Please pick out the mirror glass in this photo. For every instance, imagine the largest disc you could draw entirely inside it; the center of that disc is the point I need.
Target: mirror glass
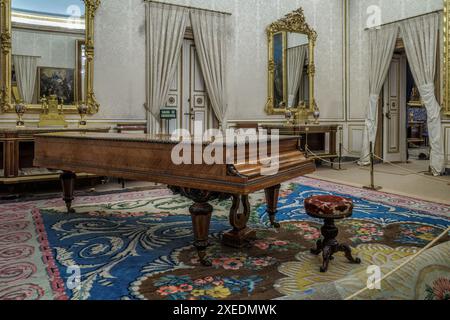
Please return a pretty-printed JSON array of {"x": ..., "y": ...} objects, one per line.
[
  {"x": 290, "y": 56},
  {"x": 297, "y": 69},
  {"x": 48, "y": 51},
  {"x": 279, "y": 63}
]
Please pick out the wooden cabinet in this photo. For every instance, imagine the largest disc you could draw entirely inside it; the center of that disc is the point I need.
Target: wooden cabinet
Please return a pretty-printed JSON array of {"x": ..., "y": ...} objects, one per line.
[{"x": 17, "y": 153}]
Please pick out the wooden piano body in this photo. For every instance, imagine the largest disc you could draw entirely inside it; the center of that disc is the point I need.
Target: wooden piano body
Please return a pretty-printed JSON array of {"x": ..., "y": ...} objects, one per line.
[{"x": 150, "y": 158}]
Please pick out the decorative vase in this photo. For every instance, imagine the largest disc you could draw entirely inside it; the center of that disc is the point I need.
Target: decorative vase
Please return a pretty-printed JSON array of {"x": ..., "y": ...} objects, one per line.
[
  {"x": 82, "y": 110},
  {"x": 316, "y": 115},
  {"x": 20, "y": 109}
]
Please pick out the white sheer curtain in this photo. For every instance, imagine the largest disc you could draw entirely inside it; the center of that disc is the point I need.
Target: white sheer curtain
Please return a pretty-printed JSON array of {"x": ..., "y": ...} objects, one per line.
[
  {"x": 420, "y": 36},
  {"x": 381, "y": 49},
  {"x": 296, "y": 62},
  {"x": 210, "y": 36},
  {"x": 166, "y": 26},
  {"x": 26, "y": 70}
]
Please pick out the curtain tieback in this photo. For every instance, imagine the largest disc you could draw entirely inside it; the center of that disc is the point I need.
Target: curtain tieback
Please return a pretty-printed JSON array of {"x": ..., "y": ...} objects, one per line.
[
  {"x": 429, "y": 98},
  {"x": 372, "y": 111},
  {"x": 373, "y": 98},
  {"x": 427, "y": 91}
]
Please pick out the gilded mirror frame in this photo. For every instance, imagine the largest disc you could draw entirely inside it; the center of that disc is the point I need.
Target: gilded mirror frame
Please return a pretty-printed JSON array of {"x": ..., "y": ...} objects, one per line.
[
  {"x": 446, "y": 67},
  {"x": 292, "y": 22},
  {"x": 6, "y": 104}
]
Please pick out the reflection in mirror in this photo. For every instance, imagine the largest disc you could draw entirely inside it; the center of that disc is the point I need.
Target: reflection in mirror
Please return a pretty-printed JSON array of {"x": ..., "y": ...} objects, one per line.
[
  {"x": 278, "y": 58},
  {"x": 297, "y": 64},
  {"x": 48, "y": 54},
  {"x": 81, "y": 69}
]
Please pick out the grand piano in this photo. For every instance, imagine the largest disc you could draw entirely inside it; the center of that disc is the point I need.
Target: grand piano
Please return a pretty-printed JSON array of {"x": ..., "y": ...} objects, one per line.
[{"x": 150, "y": 158}]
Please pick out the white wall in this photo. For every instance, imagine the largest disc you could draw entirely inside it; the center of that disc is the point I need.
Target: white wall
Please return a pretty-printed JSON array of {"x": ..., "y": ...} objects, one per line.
[
  {"x": 119, "y": 74},
  {"x": 120, "y": 55}
]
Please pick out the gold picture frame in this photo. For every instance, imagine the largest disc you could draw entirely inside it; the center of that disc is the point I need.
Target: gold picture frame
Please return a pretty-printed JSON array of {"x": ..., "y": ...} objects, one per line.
[
  {"x": 6, "y": 104},
  {"x": 292, "y": 22}
]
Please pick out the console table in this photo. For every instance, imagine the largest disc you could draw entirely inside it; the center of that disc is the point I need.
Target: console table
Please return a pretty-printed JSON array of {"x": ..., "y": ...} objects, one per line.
[
  {"x": 17, "y": 153},
  {"x": 131, "y": 127},
  {"x": 320, "y": 139},
  {"x": 416, "y": 135}
]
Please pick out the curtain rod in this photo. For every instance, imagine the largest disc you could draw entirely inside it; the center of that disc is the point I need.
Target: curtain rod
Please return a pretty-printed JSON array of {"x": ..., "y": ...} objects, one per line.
[
  {"x": 188, "y": 7},
  {"x": 418, "y": 16}
]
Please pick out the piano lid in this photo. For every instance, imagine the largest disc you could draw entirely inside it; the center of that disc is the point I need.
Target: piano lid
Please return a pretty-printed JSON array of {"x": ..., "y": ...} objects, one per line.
[{"x": 238, "y": 139}]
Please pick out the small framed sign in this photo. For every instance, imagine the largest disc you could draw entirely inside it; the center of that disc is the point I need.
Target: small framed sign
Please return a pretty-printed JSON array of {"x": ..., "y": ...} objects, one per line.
[{"x": 168, "y": 114}]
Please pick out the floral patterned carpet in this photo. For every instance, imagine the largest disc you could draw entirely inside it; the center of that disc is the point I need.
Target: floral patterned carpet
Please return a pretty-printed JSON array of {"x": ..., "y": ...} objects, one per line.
[{"x": 137, "y": 245}]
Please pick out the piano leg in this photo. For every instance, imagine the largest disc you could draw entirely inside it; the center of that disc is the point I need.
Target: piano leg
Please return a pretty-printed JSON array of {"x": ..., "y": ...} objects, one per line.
[
  {"x": 201, "y": 212},
  {"x": 272, "y": 195},
  {"x": 68, "y": 186},
  {"x": 241, "y": 235},
  {"x": 201, "y": 218}
]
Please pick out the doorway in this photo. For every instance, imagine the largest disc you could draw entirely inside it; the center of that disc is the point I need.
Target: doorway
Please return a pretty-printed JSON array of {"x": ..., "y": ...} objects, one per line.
[
  {"x": 188, "y": 95},
  {"x": 403, "y": 132}
]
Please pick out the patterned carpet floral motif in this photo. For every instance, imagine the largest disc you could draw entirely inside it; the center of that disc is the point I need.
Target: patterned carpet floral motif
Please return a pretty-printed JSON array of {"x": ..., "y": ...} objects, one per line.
[
  {"x": 417, "y": 234},
  {"x": 208, "y": 288},
  {"x": 439, "y": 290},
  {"x": 236, "y": 262},
  {"x": 304, "y": 229},
  {"x": 365, "y": 232},
  {"x": 137, "y": 245}
]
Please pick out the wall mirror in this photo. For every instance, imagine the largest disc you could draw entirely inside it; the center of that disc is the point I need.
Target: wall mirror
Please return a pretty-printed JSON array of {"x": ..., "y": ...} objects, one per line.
[
  {"x": 47, "y": 51},
  {"x": 291, "y": 43}
]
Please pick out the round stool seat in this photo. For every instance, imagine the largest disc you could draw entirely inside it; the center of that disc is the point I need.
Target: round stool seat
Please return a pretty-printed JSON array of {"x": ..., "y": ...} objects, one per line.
[{"x": 329, "y": 207}]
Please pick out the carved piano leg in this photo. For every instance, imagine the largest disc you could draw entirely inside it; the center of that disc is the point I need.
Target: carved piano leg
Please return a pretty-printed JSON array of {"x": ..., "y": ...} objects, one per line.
[
  {"x": 272, "y": 195},
  {"x": 241, "y": 235},
  {"x": 68, "y": 185},
  {"x": 201, "y": 212},
  {"x": 201, "y": 219}
]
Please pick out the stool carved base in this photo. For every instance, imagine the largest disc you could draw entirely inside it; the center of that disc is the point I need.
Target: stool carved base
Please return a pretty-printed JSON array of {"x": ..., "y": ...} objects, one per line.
[{"x": 329, "y": 246}]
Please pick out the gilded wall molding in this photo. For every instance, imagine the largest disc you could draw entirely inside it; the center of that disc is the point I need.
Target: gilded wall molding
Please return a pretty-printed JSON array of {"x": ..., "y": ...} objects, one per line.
[
  {"x": 91, "y": 9},
  {"x": 6, "y": 105},
  {"x": 5, "y": 58},
  {"x": 446, "y": 67}
]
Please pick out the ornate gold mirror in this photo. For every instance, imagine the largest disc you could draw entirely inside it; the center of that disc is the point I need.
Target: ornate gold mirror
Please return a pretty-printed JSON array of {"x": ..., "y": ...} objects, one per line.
[
  {"x": 291, "y": 43},
  {"x": 47, "y": 55}
]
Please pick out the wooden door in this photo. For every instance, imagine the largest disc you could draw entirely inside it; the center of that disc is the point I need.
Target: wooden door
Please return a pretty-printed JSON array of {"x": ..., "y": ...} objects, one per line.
[
  {"x": 196, "y": 112},
  {"x": 394, "y": 131}
]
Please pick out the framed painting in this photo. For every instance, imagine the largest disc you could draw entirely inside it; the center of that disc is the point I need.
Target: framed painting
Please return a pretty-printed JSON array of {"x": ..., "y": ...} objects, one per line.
[{"x": 57, "y": 81}]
